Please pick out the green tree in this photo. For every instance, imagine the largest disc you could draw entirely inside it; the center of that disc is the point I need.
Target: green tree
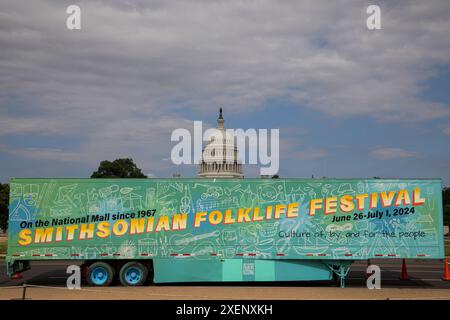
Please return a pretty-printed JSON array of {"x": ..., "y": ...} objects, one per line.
[
  {"x": 4, "y": 203},
  {"x": 119, "y": 168}
]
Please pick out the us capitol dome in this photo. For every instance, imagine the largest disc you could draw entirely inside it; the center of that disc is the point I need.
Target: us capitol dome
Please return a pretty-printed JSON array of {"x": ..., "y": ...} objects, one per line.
[{"x": 220, "y": 155}]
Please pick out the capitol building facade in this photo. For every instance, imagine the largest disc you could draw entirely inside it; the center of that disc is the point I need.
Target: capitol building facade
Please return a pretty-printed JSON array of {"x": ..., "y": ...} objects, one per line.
[{"x": 220, "y": 155}]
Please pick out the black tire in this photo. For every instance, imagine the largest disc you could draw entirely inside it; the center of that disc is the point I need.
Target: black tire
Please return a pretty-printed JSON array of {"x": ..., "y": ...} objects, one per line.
[
  {"x": 108, "y": 273},
  {"x": 127, "y": 270}
]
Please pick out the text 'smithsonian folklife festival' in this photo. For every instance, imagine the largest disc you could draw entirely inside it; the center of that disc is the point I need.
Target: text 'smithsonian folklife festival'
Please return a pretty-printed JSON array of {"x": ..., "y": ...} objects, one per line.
[{"x": 263, "y": 216}]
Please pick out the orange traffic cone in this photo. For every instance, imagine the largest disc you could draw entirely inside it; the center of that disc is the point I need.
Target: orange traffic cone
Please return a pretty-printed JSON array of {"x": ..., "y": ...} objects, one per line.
[
  {"x": 404, "y": 275},
  {"x": 16, "y": 276},
  {"x": 446, "y": 271}
]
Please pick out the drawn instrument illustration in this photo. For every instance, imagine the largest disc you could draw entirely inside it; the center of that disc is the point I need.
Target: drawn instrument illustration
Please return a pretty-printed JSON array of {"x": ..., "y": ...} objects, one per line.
[{"x": 217, "y": 225}]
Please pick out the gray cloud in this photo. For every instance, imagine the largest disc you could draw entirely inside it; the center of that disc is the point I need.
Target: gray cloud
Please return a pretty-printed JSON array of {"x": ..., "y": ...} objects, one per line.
[
  {"x": 138, "y": 70},
  {"x": 386, "y": 153},
  {"x": 447, "y": 131},
  {"x": 309, "y": 154}
]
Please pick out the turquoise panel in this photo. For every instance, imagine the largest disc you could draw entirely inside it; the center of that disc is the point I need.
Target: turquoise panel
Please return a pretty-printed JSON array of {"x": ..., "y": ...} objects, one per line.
[
  {"x": 187, "y": 270},
  {"x": 232, "y": 270},
  {"x": 264, "y": 270},
  {"x": 292, "y": 270}
]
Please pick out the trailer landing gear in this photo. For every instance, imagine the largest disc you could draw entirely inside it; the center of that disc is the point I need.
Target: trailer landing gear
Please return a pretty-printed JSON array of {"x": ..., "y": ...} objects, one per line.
[{"x": 340, "y": 269}]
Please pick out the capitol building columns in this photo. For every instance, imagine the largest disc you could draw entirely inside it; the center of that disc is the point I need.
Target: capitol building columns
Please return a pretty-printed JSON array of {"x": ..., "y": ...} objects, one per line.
[{"x": 220, "y": 155}]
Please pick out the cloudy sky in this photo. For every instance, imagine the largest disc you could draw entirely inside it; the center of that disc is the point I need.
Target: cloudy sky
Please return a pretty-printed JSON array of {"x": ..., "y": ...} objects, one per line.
[{"x": 349, "y": 102}]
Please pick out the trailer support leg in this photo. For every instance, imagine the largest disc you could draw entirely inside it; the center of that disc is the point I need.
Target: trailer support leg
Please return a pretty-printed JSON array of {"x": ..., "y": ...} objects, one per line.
[{"x": 341, "y": 269}]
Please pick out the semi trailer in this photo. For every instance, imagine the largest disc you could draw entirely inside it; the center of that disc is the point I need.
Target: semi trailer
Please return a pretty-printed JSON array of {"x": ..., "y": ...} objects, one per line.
[{"x": 196, "y": 230}]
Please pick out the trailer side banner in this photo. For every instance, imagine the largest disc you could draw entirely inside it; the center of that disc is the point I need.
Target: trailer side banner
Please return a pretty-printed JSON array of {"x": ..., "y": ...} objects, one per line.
[{"x": 205, "y": 219}]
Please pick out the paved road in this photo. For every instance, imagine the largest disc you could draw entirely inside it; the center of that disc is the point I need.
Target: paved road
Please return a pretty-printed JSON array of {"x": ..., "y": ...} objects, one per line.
[{"x": 50, "y": 277}]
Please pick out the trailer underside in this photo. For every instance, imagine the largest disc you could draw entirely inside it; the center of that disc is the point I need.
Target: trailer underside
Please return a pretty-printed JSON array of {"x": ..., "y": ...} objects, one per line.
[{"x": 220, "y": 270}]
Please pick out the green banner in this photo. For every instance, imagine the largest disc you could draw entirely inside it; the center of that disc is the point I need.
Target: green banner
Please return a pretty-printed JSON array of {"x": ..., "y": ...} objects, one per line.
[{"x": 203, "y": 219}]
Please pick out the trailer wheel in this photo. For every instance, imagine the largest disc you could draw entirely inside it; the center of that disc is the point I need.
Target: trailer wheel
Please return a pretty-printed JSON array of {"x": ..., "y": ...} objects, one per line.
[
  {"x": 100, "y": 274},
  {"x": 133, "y": 274}
]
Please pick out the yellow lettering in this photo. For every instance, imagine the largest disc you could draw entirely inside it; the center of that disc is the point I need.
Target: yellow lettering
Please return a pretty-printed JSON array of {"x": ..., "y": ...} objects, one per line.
[
  {"x": 179, "y": 221},
  {"x": 103, "y": 229},
  {"x": 347, "y": 204},
  {"x": 314, "y": 205},
  {"x": 120, "y": 227},
  {"x": 43, "y": 235},
  {"x": 86, "y": 231},
  {"x": 417, "y": 200},
  {"x": 199, "y": 218},
  {"x": 137, "y": 226},
  {"x": 402, "y": 198},
  {"x": 163, "y": 224},
  {"x": 25, "y": 237},
  {"x": 330, "y": 205},
  {"x": 243, "y": 215}
]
